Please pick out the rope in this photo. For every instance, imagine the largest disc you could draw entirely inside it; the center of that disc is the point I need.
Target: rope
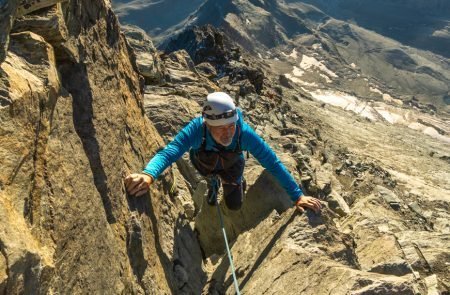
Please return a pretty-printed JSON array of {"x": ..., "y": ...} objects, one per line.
[
  {"x": 236, "y": 286},
  {"x": 173, "y": 187}
]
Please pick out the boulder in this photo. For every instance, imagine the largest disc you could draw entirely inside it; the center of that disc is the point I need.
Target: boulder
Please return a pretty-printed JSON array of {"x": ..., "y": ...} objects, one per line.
[
  {"x": 432, "y": 285},
  {"x": 426, "y": 252},
  {"x": 376, "y": 247},
  {"x": 337, "y": 203},
  {"x": 389, "y": 196},
  {"x": 170, "y": 113},
  {"x": 147, "y": 57},
  {"x": 48, "y": 23},
  {"x": 285, "y": 82},
  {"x": 323, "y": 181},
  {"x": 206, "y": 69},
  {"x": 29, "y": 6}
]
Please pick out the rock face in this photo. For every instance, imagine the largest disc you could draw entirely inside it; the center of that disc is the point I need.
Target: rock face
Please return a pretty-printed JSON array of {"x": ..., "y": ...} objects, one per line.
[
  {"x": 73, "y": 124},
  {"x": 284, "y": 246}
]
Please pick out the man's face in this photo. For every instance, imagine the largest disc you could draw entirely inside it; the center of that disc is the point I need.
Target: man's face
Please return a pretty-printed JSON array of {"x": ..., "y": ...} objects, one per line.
[{"x": 223, "y": 134}]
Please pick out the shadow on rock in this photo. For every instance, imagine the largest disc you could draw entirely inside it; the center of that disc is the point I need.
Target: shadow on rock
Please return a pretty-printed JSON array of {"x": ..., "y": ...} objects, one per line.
[{"x": 83, "y": 120}]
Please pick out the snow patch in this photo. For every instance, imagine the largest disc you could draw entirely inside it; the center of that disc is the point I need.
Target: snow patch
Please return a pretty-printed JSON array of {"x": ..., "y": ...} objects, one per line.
[
  {"x": 347, "y": 102},
  {"x": 298, "y": 81},
  {"x": 309, "y": 62},
  {"x": 380, "y": 111},
  {"x": 388, "y": 97},
  {"x": 293, "y": 54},
  {"x": 429, "y": 131},
  {"x": 390, "y": 117},
  {"x": 297, "y": 72}
]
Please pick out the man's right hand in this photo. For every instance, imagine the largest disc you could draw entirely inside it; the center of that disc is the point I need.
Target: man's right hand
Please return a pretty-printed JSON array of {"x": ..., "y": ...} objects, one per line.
[{"x": 138, "y": 183}]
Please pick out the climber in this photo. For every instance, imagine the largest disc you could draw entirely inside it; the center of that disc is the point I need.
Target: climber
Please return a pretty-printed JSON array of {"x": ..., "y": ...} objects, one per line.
[{"x": 216, "y": 141}]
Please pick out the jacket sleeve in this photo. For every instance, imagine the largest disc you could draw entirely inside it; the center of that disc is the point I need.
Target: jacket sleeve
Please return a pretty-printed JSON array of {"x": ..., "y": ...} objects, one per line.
[
  {"x": 185, "y": 139},
  {"x": 267, "y": 158}
]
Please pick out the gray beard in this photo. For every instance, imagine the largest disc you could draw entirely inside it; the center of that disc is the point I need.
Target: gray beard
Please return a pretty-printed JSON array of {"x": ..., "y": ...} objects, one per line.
[{"x": 227, "y": 143}]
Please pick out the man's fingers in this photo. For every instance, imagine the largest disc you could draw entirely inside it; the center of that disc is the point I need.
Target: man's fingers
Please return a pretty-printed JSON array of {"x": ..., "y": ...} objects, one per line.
[
  {"x": 300, "y": 209},
  {"x": 129, "y": 179},
  {"x": 311, "y": 203},
  {"x": 317, "y": 204},
  {"x": 141, "y": 192},
  {"x": 137, "y": 187},
  {"x": 313, "y": 206},
  {"x": 134, "y": 185}
]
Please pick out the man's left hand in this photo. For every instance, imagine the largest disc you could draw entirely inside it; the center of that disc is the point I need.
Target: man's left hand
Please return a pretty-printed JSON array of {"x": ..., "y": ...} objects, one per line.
[{"x": 308, "y": 202}]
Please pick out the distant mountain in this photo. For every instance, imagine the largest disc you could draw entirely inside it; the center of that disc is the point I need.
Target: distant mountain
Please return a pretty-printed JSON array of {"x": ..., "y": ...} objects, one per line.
[
  {"x": 355, "y": 42},
  {"x": 422, "y": 24},
  {"x": 418, "y": 23},
  {"x": 155, "y": 16},
  {"x": 162, "y": 19}
]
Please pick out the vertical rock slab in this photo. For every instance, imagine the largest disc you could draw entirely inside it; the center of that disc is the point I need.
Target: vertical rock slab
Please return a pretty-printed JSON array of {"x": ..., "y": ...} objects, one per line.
[
  {"x": 30, "y": 83},
  {"x": 101, "y": 124},
  {"x": 72, "y": 126}
]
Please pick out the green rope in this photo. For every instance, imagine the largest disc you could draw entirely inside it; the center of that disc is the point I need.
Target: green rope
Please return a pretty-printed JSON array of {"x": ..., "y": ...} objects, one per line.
[
  {"x": 173, "y": 187},
  {"x": 236, "y": 286}
]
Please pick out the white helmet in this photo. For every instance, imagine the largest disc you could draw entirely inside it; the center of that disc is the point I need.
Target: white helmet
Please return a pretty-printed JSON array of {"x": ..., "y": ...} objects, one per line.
[{"x": 219, "y": 109}]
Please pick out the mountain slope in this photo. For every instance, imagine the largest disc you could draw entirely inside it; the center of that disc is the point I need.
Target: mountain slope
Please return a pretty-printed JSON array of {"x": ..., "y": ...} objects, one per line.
[
  {"x": 385, "y": 185},
  {"x": 269, "y": 28},
  {"x": 421, "y": 24},
  {"x": 154, "y": 16}
]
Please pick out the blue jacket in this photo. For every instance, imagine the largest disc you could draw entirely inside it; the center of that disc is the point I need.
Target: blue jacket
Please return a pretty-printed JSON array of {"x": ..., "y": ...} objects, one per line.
[{"x": 191, "y": 137}]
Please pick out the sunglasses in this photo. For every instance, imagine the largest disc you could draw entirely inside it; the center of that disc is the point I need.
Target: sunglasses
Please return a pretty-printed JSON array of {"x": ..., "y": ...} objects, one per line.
[{"x": 225, "y": 115}]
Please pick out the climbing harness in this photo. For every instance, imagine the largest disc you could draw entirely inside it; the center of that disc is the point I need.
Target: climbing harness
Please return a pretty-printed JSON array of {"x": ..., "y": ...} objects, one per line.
[
  {"x": 214, "y": 190},
  {"x": 229, "y": 164},
  {"x": 236, "y": 285}
]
